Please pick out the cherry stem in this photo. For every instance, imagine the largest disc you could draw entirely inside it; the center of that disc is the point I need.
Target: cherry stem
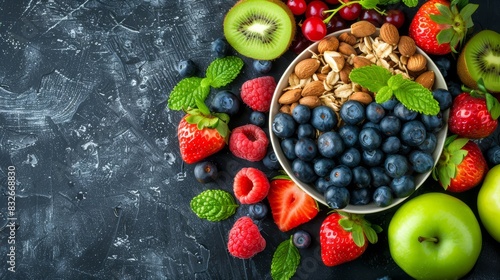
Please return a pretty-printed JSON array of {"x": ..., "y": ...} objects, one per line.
[
  {"x": 429, "y": 239},
  {"x": 345, "y": 4}
]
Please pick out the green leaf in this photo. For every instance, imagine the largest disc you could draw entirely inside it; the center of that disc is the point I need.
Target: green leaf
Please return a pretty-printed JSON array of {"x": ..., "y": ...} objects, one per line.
[
  {"x": 440, "y": 19},
  {"x": 358, "y": 236},
  {"x": 285, "y": 261},
  {"x": 467, "y": 11},
  {"x": 443, "y": 10},
  {"x": 411, "y": 3},
  {"x": 222, "y": 116},
  {"x": 415, "y": 96},
  {"x": 456, "y": 145},
  {"x": 224, "y": 70},
  {"x": 384, "y": 94},
  {"x": 443, "y": 177},
  {"x": 214, "y": 205},
  {"x": 445, "y": 36},
  {"x": 186, "y": 92},
  {"x": 346, "y": 224},
  {"x": 493, "y": 106},
  {"x": 372, "y": 77},
  {"x": 458, "y": 156},
  {"x": 369, "y": 4},
  {"x": 370, "y": 234}
]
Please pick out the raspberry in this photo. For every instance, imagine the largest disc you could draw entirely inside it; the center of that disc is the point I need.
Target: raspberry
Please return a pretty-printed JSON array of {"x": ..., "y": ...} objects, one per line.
[
  {"x": 245, "y": 239},
  {"x": 257, "y": 93},
  {"x": 250, "y": 185},
  {"x": 248, "y": 142}
]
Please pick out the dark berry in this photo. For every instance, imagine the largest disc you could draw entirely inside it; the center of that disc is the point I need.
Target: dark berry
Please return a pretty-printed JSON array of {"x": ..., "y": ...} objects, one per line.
[
  {"x": 382, "y": 196},
  {"x": 373, "y": 157},
  {"x": 361, "y": 177},
  {"x": 370, "y": 138},
  {"x": 323, "y": 118},
  {"x": 413, "y": 133},
  {"x": 301, "y": 239},
  {"x": 306, "y": 149},
  {"x": 360, "y": 196},
  {"x": 351, "y": 157},
  {"x": 337, "y": 197},
  {"x": 288, "y": 148},
  {"x": 205, "y": 172},
  {"x": 341, "y": 176},
  {"x": 258, "y": 211},
  {"x": 396, "y": 165},
  {"x": 225, "y": 102},
  {"x": 352, "y": 112},
  {"x": 404, "y": 113},
  {"x": 429, "y": 144},
  {"x": 379, "y": 177},
  {"x": 271, "y": 161},
  {"x": 283, "y": 125},
  {"x": 421, "y": 161},
  {"x": 322, "y": 183},
  {"x": 301, "y": 113},
  {"x": 306, "y": 130},
  {"x": 403, "y": 186},
  {"x": 433, "y": 123},
  {"x": 454, "y": 88},
  {"x": 323, "y": 166},
  {"x": 258, "y": 118},
  {"x": 390, "y": 125},
  {"x": 443, "y": 97},
  {"x": 262, "y": 66},
  {"x": 349, "y": 134},
  {"x": 220, "y": 47},
  {"x": 186, "y": 68},
  {"x": 493, "y": 155},
  {"x": 443, "y": 64},
  {"x": 375, "y": 112},
  {"x": 303, "y": 170},
  {"x": 391, "y": 145},
  {"x": 330, "y": 144}
]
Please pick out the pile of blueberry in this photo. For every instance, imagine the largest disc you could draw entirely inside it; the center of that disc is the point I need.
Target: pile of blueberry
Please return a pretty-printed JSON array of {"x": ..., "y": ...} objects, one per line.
[{"x": 363, "y": 154}]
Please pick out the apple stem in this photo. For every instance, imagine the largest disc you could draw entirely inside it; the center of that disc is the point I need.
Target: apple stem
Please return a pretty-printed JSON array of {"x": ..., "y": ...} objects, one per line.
[{"x": 431, "y": 239}]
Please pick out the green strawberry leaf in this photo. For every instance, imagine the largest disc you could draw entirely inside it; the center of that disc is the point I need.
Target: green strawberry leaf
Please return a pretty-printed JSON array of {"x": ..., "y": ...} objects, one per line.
[
  {"x": 493, "y": 106},
  {"x": 186, "y": 92},
  {"x": 285, "y": 261},
  {"x": 458, "y": 156},
  {"x": 456, "y": 145},
  {"x": 214, "y": 205},
  {"x": 224, "y": 70},
  {"x": 467, "y": 11}
]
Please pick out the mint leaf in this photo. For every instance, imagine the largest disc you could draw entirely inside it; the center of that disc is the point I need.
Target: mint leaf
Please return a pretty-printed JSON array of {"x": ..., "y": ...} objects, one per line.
[
  {"x": 369, "y": 4},
  {"x": 384, "y": 94},
  {"x": 372, "y": 77},
  {"x": 411, "y": 3},
  {"x": 214, "y": 205},
  {"x": 414, "y": 96},
  {"x": 186, "y": 92},
  {"x": 285, "y": 261},
  {"x": 224, "y": 70}
]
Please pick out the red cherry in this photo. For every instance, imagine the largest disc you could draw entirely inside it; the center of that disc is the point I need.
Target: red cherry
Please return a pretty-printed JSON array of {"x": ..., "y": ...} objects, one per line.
[
  {"x": 299, "y": 43},
  {"x": 297, "y": 7},
  {"x": 336, "y": 23},
  {"x": 396, "y": 17},
  {"x": 332, "y": 2},
  {"x": 316, "y": 8},
  {"x": 372, "y": 16},
  {"x": 314, "y": 29},
  {"x": 351, "y": 12}
]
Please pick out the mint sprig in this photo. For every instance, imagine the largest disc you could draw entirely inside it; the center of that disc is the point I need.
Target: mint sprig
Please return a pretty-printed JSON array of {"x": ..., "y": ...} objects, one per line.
[
  {"x": 219, "y": 73},
  {"x": 285, "y": 260},
  {"x": 379, "y": 80},
  {"x": 214, "y": 205}
]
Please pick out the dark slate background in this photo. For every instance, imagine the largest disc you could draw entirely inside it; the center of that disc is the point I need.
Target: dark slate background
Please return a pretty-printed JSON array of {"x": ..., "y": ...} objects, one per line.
[{"x": 101, "y": 191}]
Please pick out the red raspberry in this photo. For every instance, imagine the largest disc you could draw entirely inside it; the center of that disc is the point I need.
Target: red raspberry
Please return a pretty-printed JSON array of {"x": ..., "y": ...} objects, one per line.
[
  {"x": 257, "y": 93},
  {"x": 245, "y": 239},
  {"x": 248, "y": 142},
  {"x": 250, "y": 185}
]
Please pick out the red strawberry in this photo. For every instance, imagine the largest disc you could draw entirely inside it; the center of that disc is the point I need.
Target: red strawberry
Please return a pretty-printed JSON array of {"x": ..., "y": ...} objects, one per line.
[
  {"x": 290, "y": 205},
  {"x": 474, "y": 115},
  {"x": 438, "y": 27},
  {"x": 257, "y": 93},
  {"x": 343, "y": 237},
  {"x": 201, "y": 134},
  {"x": 462, "y": 165},
  {"x": 245, "y": 240}
]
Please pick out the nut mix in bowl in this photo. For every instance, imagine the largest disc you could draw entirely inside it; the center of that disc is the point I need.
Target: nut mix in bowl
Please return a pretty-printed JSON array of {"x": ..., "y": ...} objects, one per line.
[{"x": 338, "y": 140}]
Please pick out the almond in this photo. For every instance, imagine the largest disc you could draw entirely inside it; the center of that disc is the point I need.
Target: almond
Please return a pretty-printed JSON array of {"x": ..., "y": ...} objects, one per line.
[
  {"x": 407, "y": 46},
  {"x": 344, "y": 74},
  {"x": 310, "y": 101},
  {"x": 286, "y": 109},
  {"x": 348, "y": 38},
  {"x": 306, "y": 68},
  {"x": 416, "y": 62},
  {"x": 362, "y": 97},
  {"x": 389, "y": 33},
  {"x": 426, "y": 79},
  {"x": 335, "y": 60},
  {"x": 290, "y": 96},
  {"x": 294, "y": 104},
  {"x": 362, "y": 28},
  {"x": 346, "y": 49},
  {"x": 359, "y": 61},
  {"x": 315, "y": 88},
  {"x": 330, "y": 43}
]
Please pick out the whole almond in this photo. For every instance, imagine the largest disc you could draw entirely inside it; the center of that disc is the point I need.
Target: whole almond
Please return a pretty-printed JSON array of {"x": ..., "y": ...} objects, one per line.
[
  {"x": 406, "y": 46},
  {"x": 335, "y": 60},
  {"x": 330, "y": 43},
  {"x": 426, "y": 79},
  {"x": 363, "y": 28},
  {"x": 290, "y": 96},
  {"x": 416, "y": 62},
  {"x": 286, "y": 109},
  {"x": 348, "y": 38},
  {"x": 389, "y": 33},
  {"x": 315, "y": 88},
  {"x": 346, "y": 49},
  {"x": 362, "y": 97},
  {"x": 310, "y": 101},
  {"x": 359, "y": 61},
  {"x": 306, "y": 68},
  {"x": 344, "y": 74}
]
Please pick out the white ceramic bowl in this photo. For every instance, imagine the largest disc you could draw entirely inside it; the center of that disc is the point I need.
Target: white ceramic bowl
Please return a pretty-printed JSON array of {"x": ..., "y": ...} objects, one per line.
[{"x": 310, "y": 189}]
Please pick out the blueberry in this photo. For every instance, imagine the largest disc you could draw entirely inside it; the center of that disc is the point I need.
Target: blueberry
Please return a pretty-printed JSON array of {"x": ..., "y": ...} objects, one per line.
[
  {"x": 361, "y": 177},
  {"x": 421, "y": 161},
  {"x": 303, "y": 170},
  {"x": 379, "y": 177},
  {"x": 370, "y": 138},
  {"x": 374, "y": 112},
  {"x": 390, "y": 125},
  {"x": 391, "y": 145},
  {"x": 330, "y": 144},
  {"x": 429, "y": 144},
  {"x": 262, "y": 66},
  {"x": 186, "y": 68},
  {"x": 288, "y": 148},
  {"x": 443, "y": 97},
  {"x": 352, "y": 112},
  {"x": 382, "y": 196},
  {"x": 258, "y": 118},
  {"x": 337, "y": 198},
  {"x": 322, "y": 183},
  {"x": 369, "y": 124},
  {"x": 258, "y": 211},
  {"x": 306, "y": 149},
  {"x": 283, "y": 125},
  {"x": 403, "y": 186},
  {"x": 373, "y": 157},
  {"x": 351, "y": 157},
  {"x": 404, "y": 113},
  {"x": 220, "y": 47},
  {"x": 301, "y": 114},
  {"x": 323, "y": 166},
  {"x": 413, "y": 133},
  {"x": 433, "y": 123},
  {"x": 301, "y": 239},
  {"x": 443, "y": 64},
  {"x": 225, "y": 102},
  {"x": 323, "y": 118},
  {"x": 205, "y": 172},
  {"x": 360, "y": 196},
  {"x": 493, "y": 155},
  {"x": 396, "y": 165},
  {"x": 389, "y": 104},
  {"x": 454, "y": 88},
  {"x": 341, "y": 176},
  {"x": 306, "y": 130},
  {"x": 405, "y": 149},
  {"x": 349, "y": 134},
  {"x": 271, "y": 161}
]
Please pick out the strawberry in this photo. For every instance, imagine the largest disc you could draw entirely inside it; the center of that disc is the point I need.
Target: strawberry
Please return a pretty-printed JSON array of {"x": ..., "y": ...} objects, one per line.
[
  {"x": 474, "y": 114},
  {"x": 461, "y": 166},
  {"x": 290, "y": 205},
  {"x": 439, "y": 27},
  {"x": 201, "y": 133},
  {"x": 343, "y": 237}
]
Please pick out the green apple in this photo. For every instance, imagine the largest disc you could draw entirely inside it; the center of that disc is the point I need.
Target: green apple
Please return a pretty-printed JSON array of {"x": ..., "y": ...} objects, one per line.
[
  {"x": 488, "y": 202},
  {"x": 435, "y": 236}
]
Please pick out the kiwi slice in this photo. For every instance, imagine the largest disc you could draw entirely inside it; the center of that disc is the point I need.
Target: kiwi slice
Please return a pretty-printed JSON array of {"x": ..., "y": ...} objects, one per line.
[
  {"x": 260, "y": 29},
  {"x": 480, "y": 58}
]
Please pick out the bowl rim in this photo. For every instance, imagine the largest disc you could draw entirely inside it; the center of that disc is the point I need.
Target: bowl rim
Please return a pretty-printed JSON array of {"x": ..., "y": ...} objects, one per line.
[{"x": 370, "y": 208}]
